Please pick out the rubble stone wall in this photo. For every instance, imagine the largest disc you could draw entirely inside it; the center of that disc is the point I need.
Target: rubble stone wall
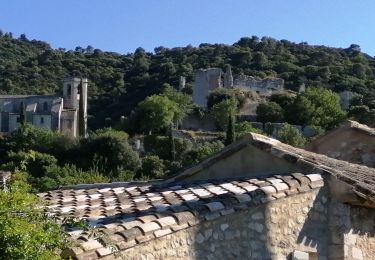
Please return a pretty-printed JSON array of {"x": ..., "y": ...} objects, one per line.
[{"x": 270, "y": 231}]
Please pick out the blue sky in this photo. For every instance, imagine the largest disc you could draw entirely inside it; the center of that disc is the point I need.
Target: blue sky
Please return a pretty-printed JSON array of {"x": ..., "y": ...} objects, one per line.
[{"x": 124, "y": 25}]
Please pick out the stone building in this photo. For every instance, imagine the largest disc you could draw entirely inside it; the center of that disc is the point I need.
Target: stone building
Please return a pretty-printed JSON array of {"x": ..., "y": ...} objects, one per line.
[
  {"x": 53, "y": 112},
  {"x": 206, "y": 80},
  {"x": 256, "y": 199},
  {"x": 352, "y": 142}
]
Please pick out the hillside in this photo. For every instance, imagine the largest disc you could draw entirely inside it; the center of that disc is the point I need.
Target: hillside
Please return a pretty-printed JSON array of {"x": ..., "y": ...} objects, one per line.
[{"x": 119, "y": 82}]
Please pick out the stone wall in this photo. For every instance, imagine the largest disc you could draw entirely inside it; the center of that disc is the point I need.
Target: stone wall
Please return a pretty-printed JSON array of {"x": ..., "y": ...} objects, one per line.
[
  {"x": 263, "y": 87},
  {"x": 204, "y": 82},
  {"x": 346, "y": 144},
  {"x": 270, "y": 231}
]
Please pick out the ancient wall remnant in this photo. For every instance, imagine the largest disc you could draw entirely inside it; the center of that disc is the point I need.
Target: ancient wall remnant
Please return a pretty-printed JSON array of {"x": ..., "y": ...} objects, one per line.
[
  {"x": 263, "y": 87},
  {"x": 204, "y": 82}
]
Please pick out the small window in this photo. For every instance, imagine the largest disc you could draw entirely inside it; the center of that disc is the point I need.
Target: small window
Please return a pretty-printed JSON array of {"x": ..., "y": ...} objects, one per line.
[
  {"x": 18, "y": 119},
  {"x": 42, "y": 120},
  {"x": 45, "y": 106}
]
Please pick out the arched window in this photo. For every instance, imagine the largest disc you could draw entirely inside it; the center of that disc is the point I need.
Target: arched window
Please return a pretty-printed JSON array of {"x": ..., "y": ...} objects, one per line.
[
  {"x": 45, "y": 106},
  {"x": 69, "y": 91}
]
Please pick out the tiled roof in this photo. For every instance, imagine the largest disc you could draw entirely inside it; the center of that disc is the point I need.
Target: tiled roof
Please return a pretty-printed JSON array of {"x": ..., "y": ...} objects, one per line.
[
  {"x": 129, "y": 214},
  {"x": 361, "y": 178}
]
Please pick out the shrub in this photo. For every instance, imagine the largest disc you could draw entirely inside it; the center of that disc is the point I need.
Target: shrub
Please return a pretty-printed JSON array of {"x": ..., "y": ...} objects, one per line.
[
  {"x": 201, "y": 152},
  {"x": 152, "y": 166},
  {"x": 26, "y": 231},
  {"x": 108, "y": 153},
  {"x": 290, "y": 135},
  {"x": 244, "y": 128},
  {"x": 57, "y": 176},
  {"x": 160, "y": 146}
]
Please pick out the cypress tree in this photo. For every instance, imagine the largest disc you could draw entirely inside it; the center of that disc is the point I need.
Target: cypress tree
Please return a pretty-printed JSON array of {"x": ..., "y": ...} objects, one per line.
[
  {"x": 230, "y": 134},
  {"x": 22, "y": 114},
  {"x": 171, "y": 143}
]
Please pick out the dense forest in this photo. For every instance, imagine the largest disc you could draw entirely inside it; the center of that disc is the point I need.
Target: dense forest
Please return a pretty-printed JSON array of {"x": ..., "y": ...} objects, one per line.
[{"x": 120, "y": 81}]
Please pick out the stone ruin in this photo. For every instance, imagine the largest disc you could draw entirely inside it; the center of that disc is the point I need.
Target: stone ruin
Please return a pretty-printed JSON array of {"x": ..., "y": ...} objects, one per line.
[
  {"x": 264, "y": 87},
  {"x": 206, "y": 80}
]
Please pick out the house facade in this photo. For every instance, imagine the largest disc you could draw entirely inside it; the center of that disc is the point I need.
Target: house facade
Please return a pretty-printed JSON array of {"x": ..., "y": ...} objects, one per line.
[{"x": 53, "y": 112}]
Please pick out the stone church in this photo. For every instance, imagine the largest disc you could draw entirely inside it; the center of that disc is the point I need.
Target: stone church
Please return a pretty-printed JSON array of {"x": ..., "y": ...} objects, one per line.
[{"x": 47, "y": 111}]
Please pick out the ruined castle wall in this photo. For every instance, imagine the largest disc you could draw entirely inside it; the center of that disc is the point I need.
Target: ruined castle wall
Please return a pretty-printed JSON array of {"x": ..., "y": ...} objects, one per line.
[
  {"x": 270, "y": 231},
  {"x": 204, "y": 82},
  {"x": 261, "y": 86}
]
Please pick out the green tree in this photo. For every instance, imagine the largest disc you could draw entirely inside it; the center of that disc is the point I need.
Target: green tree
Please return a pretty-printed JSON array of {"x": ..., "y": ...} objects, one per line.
[
  {"x": 244, "y": 128},
  {"x": 201, "y": 152},
  {"x": 22, "y": 114},
  {"x": 270, "y": 112},
  {"x": 222, "y": 110},
  {"x": 108, "y": 153},
  {"x": 316, "y": 106},
  {"x": 156, "y": 113},
  {"x": 230, "y": 133},
  {"x": 184, "y": 103},
  {"x": 290, "y": 135},
  {"x": 152, "y": 167},
  {"x": 26, "y": 231}
]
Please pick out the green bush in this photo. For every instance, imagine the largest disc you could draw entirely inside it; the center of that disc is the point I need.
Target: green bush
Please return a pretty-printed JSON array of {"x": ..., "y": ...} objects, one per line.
[
  {"x": 290, "y": 135},
  {"x": 57, "y": 176},
  {"x": 152, "y": 167},
  {"x": 160, "y": 146},
  {"x": 108, "y": 153},
  {"x": 201, "y": 152},
  {"x": 26, "y": 231},
  {"x": 244, "y": 128}
]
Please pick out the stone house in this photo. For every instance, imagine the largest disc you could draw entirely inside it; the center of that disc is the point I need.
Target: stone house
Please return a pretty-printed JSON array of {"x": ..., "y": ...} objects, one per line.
[
  {"x": 256, "y": 199},
  {"x": 352, "y": 142},
  {"x": 58, "y": 113}
]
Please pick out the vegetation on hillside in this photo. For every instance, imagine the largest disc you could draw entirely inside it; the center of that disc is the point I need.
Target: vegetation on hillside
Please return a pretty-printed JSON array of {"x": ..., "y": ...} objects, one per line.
[{"x": 120, "y": 81}]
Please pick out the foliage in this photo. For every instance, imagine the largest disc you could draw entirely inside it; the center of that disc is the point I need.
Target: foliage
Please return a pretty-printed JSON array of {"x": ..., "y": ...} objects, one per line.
[
  {"x": 283, "y": 100},
  {"x": 290, "y": 135},
  {"x": 316, "y": 106},
  {"x": 184, "y": 103},
  {"x": 26, "y": 231},
  {"x": 152, "y": 167},
  {"x": 33, "y": 162},
  {"x": 160, "y": 146},
  {"x": 57, "y": 176},
  {"x": 230, "y": 133},
  {"x": 120, "y": 81},
  {"x": 270, "y": 112},
  {"x": 108, "y": 153},
  {"x": 244, "y": 128},
  {"x": 222, "y": 110},
  {"x": 201, "y": 152},
  {"x": 362, "y": 114},
  {"x": 268, "y": 128},
  {"x": 156, "y": 113}
]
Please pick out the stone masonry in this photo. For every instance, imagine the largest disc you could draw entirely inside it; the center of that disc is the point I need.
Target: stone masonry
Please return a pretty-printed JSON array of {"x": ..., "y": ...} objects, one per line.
[{"x": 270, "y": 231}]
